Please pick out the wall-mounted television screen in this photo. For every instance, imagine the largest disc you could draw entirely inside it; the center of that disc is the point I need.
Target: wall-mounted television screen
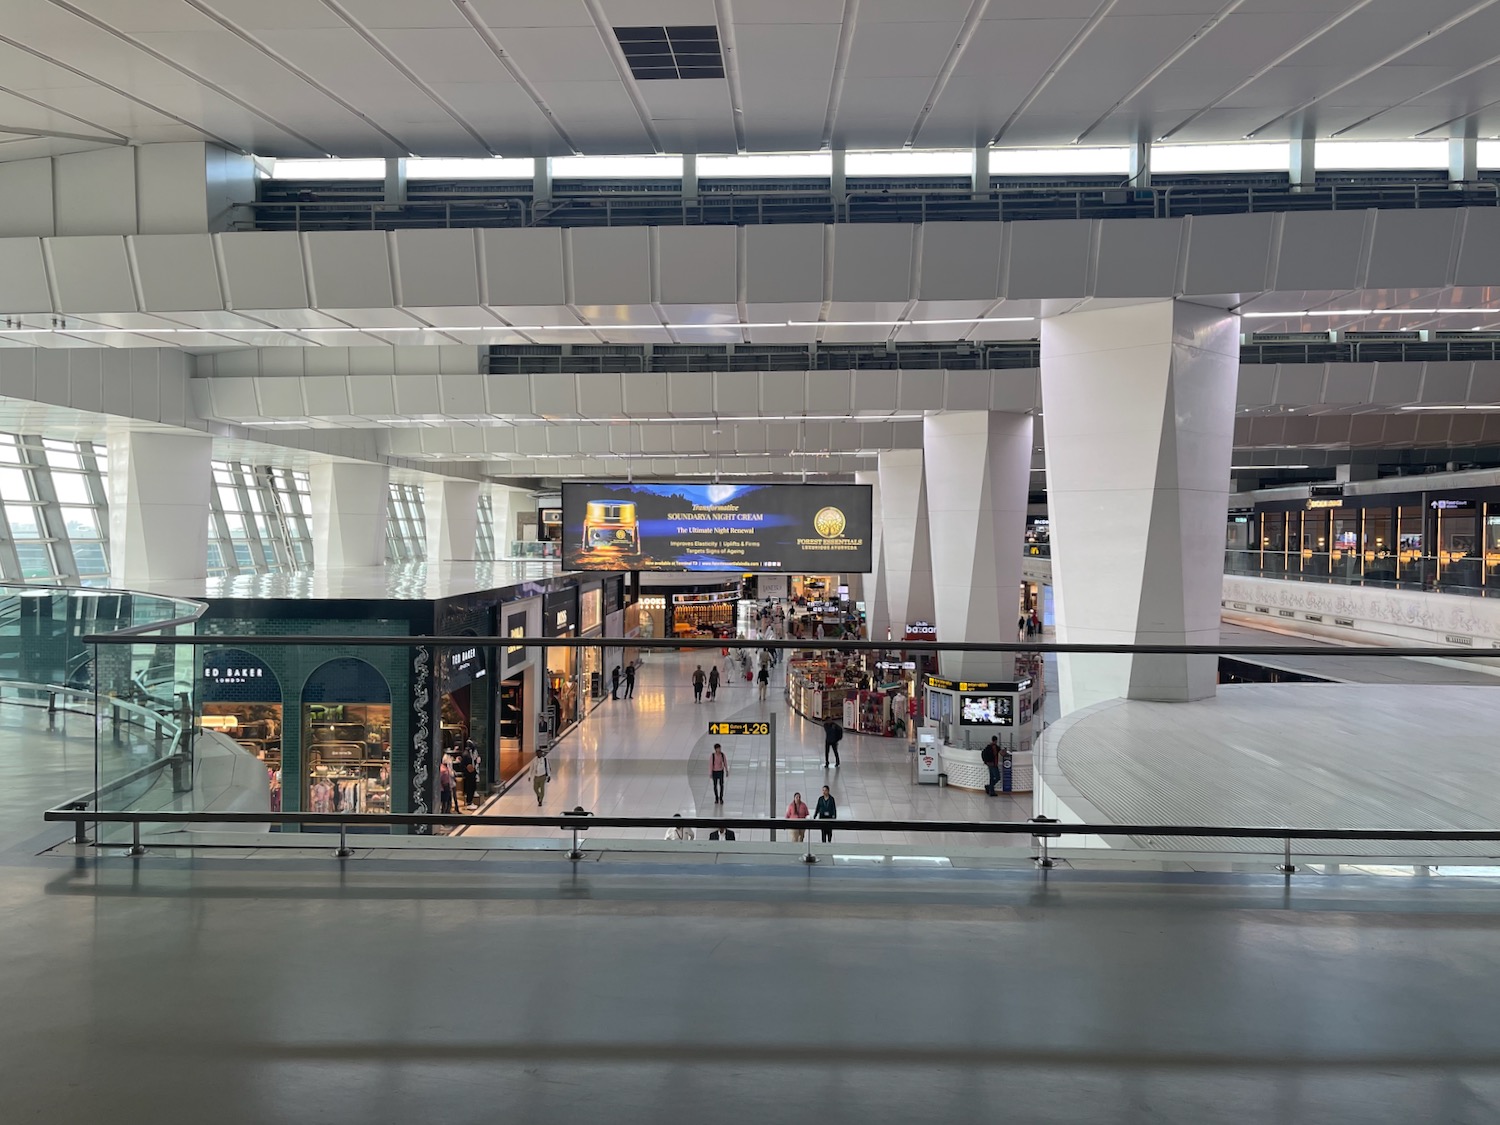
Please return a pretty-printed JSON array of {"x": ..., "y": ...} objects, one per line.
[
  {"x": 985, "y": 710},
  {"x": 790, "y": 528}
]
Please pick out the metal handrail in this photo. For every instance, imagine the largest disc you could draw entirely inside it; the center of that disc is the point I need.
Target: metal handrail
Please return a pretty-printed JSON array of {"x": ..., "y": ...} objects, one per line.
[
  {"x": 752, "y": 207},
  {"x": 672, "y": 644},
  {"x": 1041, "y": 832}
]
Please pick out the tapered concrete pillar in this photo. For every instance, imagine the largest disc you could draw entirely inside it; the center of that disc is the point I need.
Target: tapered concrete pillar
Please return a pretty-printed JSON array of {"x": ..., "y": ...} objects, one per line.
[
  {"x": 873, "y": 586},
  {"x": 451, "y": 511},
  {"x": 1139, "y": 407},
  {"x": 349, "y": 507},
  {"x": 158, "y": 507},
  {"x": 906, "y": 540},
  {"x": 978, "y": 476}
]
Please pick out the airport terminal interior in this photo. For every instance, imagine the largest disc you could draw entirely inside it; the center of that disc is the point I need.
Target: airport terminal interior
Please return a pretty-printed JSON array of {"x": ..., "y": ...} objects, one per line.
[{"x": 749, "y": 560}]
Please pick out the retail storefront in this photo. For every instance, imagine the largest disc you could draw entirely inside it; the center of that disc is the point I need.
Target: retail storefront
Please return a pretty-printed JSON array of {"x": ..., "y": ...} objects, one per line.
[
  {"x": 240, "y": 697},
  {"x": 519, "y": 697},
  {"x": 346, "y": 736},
  {"x": 561, "y": 709}
]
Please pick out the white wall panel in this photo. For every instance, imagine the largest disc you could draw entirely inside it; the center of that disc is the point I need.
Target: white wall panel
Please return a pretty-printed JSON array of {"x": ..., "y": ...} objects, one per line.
[
  {"x": 605, "y": 394},
  {"x": 1227, "y": 253},
  {"x": 1320, "y": 250},
  {"x": 23, "y": 276},
  {"x": 699, "y": 265},
  {"x": 1445, "y": 382},
  {"x": 872, "y": 262},
  {"x": 326, "y": 395},
  {"x": 116, "y": 383},
  {"x": 875, "y": 391},
  {"x": 524, "y": 267},
  {"x": 1411, "y": 249},
  {"x": 373, "y": 396},
  {"x": 508, "y": 394},
  {"x": 86, "y": 378},
  {"x": 280, "y": 398},
  {"x": 784, "y": 264},
  {"x": 26, "y": 198},
  {"x": 967, "y": 390},
  {"x": 829, "y": 392},
  {"x": 611, "y": 266},
  {"x": 1346, "y": 383},
  {"x": 1479, "y": 250},
  {"x": 554, "y": 394},
  {"x": 416, "y": 395},
  {"x": 437, "y": 267},
  {"x": 736, "y": 392},
  {"x": 690, "y": 392},
  {"x": 92, "y": 274},
  {"x": 960, "y": 261},
  {"x": 52, "y": 376},
  {"x": 1396, "y": 382},
  {"x": 645, "y": 393},
  {"x": 95, "y": 192},
  {"x": 177, "y": 273},
  {"x": 1016, "y": 391},
  {"x": 263, "y": 269},
  {"x": 1048, "y": 259},
  {"x": 920, "y": 389},
  {"x": 783, "y": 392},
  {"x": 350, "y": 269},
  {"x": 171, "y": 187},
  {"x": 462, "y": 394},
  {"x": 1137, "y": 257},
  {"x": 415, "y": 360}
]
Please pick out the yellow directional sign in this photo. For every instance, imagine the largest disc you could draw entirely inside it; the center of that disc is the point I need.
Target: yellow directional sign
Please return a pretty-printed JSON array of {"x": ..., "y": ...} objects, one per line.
[{"x": 739, "y": 728}]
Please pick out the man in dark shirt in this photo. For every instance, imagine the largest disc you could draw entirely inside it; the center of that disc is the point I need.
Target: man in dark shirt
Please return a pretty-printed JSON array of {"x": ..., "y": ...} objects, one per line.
[{"x": 990, "y": 756}]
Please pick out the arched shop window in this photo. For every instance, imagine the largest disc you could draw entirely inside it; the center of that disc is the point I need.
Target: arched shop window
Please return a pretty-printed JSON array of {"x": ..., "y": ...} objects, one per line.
[
  {"x": 346, "y": 738},
  {"x": 241, "y": 697}
]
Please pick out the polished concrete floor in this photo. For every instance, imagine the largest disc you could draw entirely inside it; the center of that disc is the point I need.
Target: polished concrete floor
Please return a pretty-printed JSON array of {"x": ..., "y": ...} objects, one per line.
[
  {"x": 648, "y": 756},
  {"x": 182, "y": 991},
  {"x": 637, "y": 989}
]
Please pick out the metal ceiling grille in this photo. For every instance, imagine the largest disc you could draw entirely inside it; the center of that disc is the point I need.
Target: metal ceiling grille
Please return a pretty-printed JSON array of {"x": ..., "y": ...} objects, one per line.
[{"x": 658, "y": 53}]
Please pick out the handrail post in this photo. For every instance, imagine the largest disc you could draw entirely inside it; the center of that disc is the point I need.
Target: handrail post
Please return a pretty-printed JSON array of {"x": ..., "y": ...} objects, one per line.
[
  {"x": 136, "y": 847},
  {"x": 1286, "y": 866},
  {"x": 809, "y": 857},
  {"x": 345, "y": 851}
]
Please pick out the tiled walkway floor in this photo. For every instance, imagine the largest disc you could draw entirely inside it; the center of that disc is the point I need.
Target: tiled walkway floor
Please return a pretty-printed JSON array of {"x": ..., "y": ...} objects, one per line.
[{"x": 648, "y": 756}]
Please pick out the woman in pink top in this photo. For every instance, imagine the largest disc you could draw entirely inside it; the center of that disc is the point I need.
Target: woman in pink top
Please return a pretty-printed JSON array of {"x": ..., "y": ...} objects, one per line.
[
  {"x": 797, "y": 810},
  {"x": 718, "y": 768}
]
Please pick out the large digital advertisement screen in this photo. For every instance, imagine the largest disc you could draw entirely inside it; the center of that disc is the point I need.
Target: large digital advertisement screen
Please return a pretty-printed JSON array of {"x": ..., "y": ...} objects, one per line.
[{"x": 796, "y": 528}]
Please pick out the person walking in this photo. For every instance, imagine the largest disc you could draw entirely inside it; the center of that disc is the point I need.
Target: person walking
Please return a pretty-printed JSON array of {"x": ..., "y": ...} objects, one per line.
[
  {"x": 713, "y": 683},
  {"x": 698, "y": 679},
  {"x": 682, "y": 831},
  {"x": 539, "y": 778},
  {"x": 832, "y": 735},
  {"x": 827, "y": 809},
  {"x": 470, "y": 779},
  {"x": 797, "y": 810},
  {"x": 629, "y": 679},
  {"x": 614, "y": 683},
  {"x": 764, "y": 676},
  {"x": 990, "y": 756},
  {"x": 718, "y": 769},
  {"x": 445, "y": 784}
]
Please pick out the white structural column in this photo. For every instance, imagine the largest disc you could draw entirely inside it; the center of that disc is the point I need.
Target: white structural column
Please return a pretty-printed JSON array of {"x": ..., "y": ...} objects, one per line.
[
  {"x": 905, "y": 539},
  {"x": 158, "y": 507},
  {"x": 451, "y": 510},
  {"x": 1139, "y": 408},
  {"x": 979, "y": 475},
  {"x": 873, "y": 585},
  {"x": 350, "y": 502}
]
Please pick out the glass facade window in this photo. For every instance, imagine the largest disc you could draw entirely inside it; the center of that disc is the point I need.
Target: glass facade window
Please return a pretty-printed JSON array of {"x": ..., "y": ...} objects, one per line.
[
  {"x": 484, "y": 543},
  {"x": 1409, "y": 545},
  {"x": 1379, "y": 546},
  {"x": 1343, "y": 556},
  {"x": 1273, "y": 542},
  {"x": 406, "y": 528},
  {"x": 54, "y": 517},
  {"x": 259, "y": 520},
  {"x": 1458, "y": 550},
  {"x": 1316, "y": 532}
]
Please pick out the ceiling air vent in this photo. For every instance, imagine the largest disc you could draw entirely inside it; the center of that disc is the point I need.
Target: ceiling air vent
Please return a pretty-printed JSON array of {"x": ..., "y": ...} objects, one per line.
[{"x": 656, "y": 53}]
